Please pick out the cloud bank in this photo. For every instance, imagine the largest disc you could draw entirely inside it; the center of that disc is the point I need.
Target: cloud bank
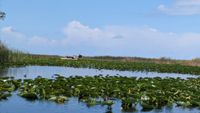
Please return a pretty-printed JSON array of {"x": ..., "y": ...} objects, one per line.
[
  {"x": 181, "y": 7},
  {"x": 107, "y": 40}
]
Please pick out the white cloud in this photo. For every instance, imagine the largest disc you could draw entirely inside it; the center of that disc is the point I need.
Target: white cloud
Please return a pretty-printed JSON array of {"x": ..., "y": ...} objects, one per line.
[
  {"x": 181, "y": 7},
  {"x": 108, "y": 40},
  {"x": 75, "y": 29},
  {"x": 9, "y": 31},
  {"x": 18, "y": 40}
]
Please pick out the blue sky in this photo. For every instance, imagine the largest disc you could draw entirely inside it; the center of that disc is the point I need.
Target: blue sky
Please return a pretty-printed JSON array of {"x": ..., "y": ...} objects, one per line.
[{"x": 144, "y": 28}]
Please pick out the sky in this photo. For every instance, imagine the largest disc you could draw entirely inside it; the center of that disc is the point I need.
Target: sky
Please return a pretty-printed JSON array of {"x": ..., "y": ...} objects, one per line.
[{"x": 142, "y": 28}]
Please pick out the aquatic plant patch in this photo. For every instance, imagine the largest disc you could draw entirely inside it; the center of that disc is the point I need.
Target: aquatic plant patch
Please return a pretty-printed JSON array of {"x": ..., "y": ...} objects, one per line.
[
  {"x": 112, "y": 65},
  {"x": 6, "y": 87},
  {"x": 150, "y": 93}
]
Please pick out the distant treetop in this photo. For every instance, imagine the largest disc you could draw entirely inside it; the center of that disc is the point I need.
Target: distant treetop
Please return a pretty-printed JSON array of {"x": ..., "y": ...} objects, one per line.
[{"x": 2, "y": 15}]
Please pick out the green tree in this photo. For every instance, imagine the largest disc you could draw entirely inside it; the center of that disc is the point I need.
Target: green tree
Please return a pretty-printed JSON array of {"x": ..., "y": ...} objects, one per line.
[{"x": 2, "y": 15}]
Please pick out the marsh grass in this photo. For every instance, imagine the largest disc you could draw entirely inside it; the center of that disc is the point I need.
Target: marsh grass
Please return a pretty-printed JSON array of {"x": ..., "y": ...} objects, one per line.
[
  {"x": 4, "y": 53},
  {"x": 162, "y": 60}
]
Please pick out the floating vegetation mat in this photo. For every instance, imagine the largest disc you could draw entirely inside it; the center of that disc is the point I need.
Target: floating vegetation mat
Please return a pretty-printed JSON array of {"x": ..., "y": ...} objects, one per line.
[
  {"x": 150, "y": 93},
  {"x": 112, "y": 65}
]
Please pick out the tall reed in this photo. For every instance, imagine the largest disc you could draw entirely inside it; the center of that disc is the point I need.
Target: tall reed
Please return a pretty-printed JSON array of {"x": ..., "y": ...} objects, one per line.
[{"x": 4, "y": 53}]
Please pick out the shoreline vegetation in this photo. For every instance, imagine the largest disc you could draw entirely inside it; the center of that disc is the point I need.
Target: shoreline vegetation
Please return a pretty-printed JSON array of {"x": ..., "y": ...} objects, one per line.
[
  {"x": 10, "y": 58},
  {"x": 111, "y": 65}
]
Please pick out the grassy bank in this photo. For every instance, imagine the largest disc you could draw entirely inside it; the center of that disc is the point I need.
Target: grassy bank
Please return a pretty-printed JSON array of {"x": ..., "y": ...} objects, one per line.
[
  {"x": 162, "y": 60},
  {"x": 8, "y": 56}
]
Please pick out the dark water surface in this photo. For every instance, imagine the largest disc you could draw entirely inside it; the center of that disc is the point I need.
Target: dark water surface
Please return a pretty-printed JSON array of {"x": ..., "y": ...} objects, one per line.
[{"x": 16, "y": 104}]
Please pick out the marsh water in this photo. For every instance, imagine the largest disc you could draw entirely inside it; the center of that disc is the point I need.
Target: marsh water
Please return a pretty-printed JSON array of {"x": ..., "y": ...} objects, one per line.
[
  {"x": 50, "y": 71},
  {"x": 16, "y": 104}
]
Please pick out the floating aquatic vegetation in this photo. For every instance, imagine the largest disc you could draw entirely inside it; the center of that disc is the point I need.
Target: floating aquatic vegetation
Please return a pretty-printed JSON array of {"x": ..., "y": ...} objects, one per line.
[
  {"x": 4, "y": 95},
  {"x": 6, "y": 87},
  {"x": 58, "y": 99},
  {"x": 150, "y": 93},
  {"x": 29, "y": 95},
  {"x": 128, "y": 104}
]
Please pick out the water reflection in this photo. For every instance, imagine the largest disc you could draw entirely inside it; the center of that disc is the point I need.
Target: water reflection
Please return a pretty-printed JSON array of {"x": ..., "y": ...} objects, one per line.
[
  {"x": 49, "y": 71},
  {"x": 17, "y": 104},
  {"x": 3, "y": 72}
]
